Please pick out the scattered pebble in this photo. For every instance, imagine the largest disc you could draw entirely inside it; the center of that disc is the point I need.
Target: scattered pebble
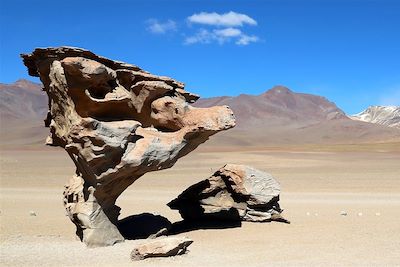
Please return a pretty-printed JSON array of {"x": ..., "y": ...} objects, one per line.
[
  {"x": 360, "y": 214},
  {"x": 308, "y": 214},
  {"x": 343, "y": 213},
  {"x": 32, "y": 213},
  {"x": 378, "y": 214}
]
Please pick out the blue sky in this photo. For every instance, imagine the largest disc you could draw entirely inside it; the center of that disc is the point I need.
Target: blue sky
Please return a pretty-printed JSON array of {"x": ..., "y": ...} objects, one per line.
[{"x": 345, "y": 50}]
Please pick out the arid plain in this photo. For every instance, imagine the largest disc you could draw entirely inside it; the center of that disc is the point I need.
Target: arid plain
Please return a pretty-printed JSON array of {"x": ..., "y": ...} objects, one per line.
[
  {"x": 340, "y": 188},
  {"x": 318, "y": 184}
]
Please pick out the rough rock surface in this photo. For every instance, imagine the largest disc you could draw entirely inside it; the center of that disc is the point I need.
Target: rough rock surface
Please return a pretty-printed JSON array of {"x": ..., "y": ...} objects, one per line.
[
  {"x": 116, "y": 122},
  {"x": 234, "y": 192},
  {"x": 162, "y": 247}
]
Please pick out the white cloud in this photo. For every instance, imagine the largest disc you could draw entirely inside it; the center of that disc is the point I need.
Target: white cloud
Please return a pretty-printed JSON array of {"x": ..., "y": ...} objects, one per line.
[
  {"x": 221, "y": 36},
  {"x": 228, "y": 32},
  {"x": 246, "y": 39},
  {"x": 154, "y": 26},
  {"x": 202, "y": 36},
  {"x": 230, "y": 19},
  {"x": 217, "y": 28}
]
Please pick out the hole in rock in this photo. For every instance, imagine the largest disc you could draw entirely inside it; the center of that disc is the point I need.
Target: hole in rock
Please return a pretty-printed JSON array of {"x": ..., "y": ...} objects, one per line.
[{"x": 100, "y": 91}]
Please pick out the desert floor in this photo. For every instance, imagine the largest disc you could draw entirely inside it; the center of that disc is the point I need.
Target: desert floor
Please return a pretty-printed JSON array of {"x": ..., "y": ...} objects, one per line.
[{"x": 318, "y": 183}]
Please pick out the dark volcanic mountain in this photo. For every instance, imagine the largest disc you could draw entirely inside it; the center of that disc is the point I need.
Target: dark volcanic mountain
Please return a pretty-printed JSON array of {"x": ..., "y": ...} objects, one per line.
[
  {"x": 277, "y": 107},
  {"x": 281, "y": 116}
]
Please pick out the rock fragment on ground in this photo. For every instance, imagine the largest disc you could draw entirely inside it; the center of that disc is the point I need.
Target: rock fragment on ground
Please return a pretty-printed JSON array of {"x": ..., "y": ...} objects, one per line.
[
  {"x": 234, "y": 192},
  {"x": 161, "y": 247},
  {"x": 32, "y": 213}
]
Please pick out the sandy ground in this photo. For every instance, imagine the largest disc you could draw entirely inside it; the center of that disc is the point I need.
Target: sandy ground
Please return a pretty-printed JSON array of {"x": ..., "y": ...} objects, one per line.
[{"x": 317, "y": 185}]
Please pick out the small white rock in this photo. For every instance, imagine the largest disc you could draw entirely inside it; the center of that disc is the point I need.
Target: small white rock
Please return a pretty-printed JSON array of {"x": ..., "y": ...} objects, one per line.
[
  {"x": 378, "y": 214},
  {"x": 32, "y": 213},
  {"x": 315, "y": 214},
  {"x": 343, "y": 213},
  {"x": 360, "y": 214},
  {"x": 308, "y": 214}
]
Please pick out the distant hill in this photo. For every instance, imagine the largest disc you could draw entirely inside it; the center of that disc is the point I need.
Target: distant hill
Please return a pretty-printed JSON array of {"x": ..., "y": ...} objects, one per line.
[
  {"x": 22, "y": 100},
  {"x": 280, "y": 116},
  {"x": 23, "y": 106},
  {"x": 277, "y": 107},
  {"x": 384, "y": 115},
  {"x": 277, "y": 117}
]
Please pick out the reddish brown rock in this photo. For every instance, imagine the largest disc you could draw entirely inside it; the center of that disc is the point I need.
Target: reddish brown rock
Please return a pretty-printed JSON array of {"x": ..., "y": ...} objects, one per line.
[{"x": 116, "y": 122}]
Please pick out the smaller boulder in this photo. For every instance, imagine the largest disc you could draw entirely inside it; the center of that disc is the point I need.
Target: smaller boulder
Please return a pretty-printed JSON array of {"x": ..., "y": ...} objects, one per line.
[
  {"x": 162, "y": 247},
  {"x": 234, "y": 192}
]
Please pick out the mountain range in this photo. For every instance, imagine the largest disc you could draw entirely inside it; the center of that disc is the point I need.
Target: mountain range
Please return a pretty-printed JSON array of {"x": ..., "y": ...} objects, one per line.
[
  {"x": 278, "y": 116},
  {"x": 276, "y": 107}
]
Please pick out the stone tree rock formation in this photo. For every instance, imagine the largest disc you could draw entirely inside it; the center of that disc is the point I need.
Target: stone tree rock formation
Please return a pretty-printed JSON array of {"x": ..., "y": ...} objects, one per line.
[
  {"x": 234, "y": 192},
  {"x": 116, "y": 122}
]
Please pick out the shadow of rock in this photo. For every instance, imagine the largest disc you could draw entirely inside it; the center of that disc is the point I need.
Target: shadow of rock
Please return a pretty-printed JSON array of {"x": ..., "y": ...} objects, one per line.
[
  {"x": 142, "y": 225},
  {"x": 191, "y": 225}
]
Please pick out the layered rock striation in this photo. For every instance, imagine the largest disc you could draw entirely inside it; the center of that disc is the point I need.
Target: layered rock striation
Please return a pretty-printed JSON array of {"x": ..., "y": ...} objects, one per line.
[{"x": 116, "y": 122}]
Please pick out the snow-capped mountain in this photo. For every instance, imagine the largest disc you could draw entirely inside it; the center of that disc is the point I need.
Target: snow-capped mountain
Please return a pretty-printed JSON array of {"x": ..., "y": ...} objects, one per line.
[{"x": 384, "y": 115}]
